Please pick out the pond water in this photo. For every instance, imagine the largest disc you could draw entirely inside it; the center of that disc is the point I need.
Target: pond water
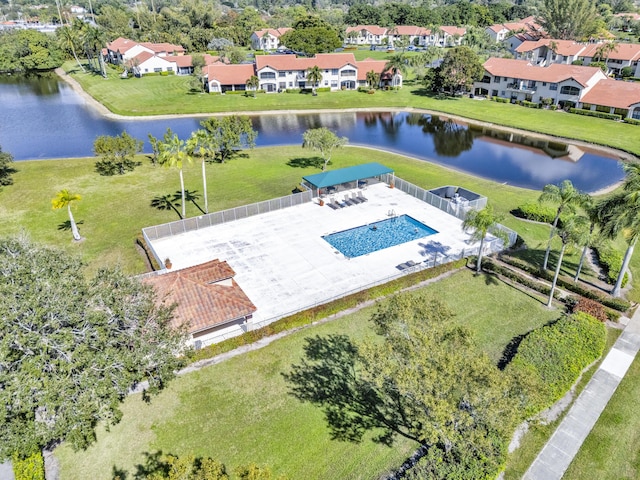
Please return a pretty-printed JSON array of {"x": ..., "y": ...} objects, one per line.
[{"x": 42, "y": 117}]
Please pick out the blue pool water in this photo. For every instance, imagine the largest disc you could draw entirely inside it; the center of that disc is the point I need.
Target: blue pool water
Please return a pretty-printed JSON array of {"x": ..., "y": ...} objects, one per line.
[{"x": 378, "y": 236}]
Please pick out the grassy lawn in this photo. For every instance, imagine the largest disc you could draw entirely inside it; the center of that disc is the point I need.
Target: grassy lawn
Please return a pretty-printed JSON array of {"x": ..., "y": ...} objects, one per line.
[
  {"x": 238, "y": 411},
  {"x": 170, "y": 95}
]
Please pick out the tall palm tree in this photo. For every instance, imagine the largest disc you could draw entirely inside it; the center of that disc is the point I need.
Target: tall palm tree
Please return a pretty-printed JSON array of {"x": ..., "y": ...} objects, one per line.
[
  {"x": 64, "y": 198},
  {"x": 395, "y": 64},
  {"x": 314, "y": 75},
  {"x": 480, "y": 223},
  {"x": 68, "y": 39},
  {"x": 93, "y": 40},
  {"x": 203, "y": 144},
  {"x": 567, "y": 197},
  {"x": 373, "y": 79},
  {"x": 173, "y": 154},
  {"x": 253, "y": 83},
  {"x": 619, "y": 214},
  {"x": 592, "y": 236},
  {"x": 574, "y": 231}
]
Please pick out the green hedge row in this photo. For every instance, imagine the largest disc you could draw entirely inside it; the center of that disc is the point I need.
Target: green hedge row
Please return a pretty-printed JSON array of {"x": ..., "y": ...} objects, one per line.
[
  {"x": 568, "y": 284},
  {"x": 592, "y": 113},
  {"x": 611, "y": 262},
  {"x": 536, "y": 211},
  {"x": 29, "y": 468},
  {"x": 493, "y": 267},
  {"x": 632, "y": 121},
  {"x": 322, "y": 311},
  {"x": 527, "y": 104},
  {"x": 501, "y": 100},
  {"x": 553, "y": 356}
]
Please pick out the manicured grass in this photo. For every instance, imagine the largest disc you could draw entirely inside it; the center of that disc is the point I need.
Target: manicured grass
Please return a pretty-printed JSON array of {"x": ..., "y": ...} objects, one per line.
[
  {"x": 170, "y": 95},
  {"x": 238, "y": 411},
  {"x": 612, "y": 449}
]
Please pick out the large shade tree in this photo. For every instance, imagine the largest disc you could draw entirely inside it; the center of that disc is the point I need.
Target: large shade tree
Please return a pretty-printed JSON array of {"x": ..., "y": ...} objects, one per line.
[
  {"x": 117, "y": 153},
  {"x": 568, "y": 19},
  {"x": 72, "y": 347},
  {"x": 6, "y": 168},
  {"x": 480, "y": 223},
  {"x": 567, "y": 198},
  {"x": 64, "y": 198},
  {"x": 460, "y": 67},
  {"x": 230, "y": 134},
  {"x": 323, "y": 140}
]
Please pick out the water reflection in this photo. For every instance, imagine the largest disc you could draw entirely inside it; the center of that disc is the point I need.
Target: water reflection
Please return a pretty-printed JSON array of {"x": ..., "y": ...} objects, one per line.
[{"x": 44, "y": 118}]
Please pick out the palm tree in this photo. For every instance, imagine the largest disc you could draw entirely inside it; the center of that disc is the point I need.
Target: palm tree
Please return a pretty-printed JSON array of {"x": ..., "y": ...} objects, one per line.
[
  {"x": 64, "y": 198},
  {"x": 574, "y": 231},
  {"x": 604, "y": 51},
  {"x": 253, "y": 83},
  {"x": 373, "y": 79},
  {"x": 395, "y": 64},
  {"x": 93, "y": 40},
  {"x": 592, "y": 236},
  {"x": 202, "y": 143},
  {"x": 568, "y": 198},
  {"x": 619, "y": 214},
  {"x": 480, "y": 223},
  {"x": 314, "y": 75},
  {"x": 173, "y": 154},
  {"x": 68, "y": 38}
]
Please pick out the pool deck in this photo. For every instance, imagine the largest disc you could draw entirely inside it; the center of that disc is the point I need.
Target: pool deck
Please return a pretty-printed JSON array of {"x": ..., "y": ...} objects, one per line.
[{"x": 283, "y": 264}]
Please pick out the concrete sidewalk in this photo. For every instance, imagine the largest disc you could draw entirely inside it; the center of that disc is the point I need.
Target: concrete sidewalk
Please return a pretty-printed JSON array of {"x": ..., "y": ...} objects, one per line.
[{"x": 556, "y": 456}]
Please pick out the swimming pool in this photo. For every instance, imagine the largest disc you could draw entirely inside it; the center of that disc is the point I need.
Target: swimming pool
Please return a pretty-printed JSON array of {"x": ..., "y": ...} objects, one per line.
[{"x": 378, "y": 236}]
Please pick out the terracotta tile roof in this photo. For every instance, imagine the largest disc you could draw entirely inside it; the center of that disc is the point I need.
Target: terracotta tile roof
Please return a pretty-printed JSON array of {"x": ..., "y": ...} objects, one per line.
[
  {"x": 121, "y": 45},
  {"x": 451, "y": 30},
  {"x": 624, "y": 51},
  {"x": 143, "y": 57},
  {"x": 563, "y": 47},
  {"x": 409, "y": 30},
  {"x": 276, "y": 32},
  {"x": 368, "y": 64},
  {"x": 163, "y": 47},
  {"x": 497, "y": 28},
  {"x": 206, "y": 295},
  {"x": 372, "y": 29},
  {"x": 210, "y": 59},
  {"x": 291, "y": 62},
  {"x": 182, "y": 61},
  {"x": 613, "y": 93},
  {"x": 554, "y": 73},
  {"x": 229, "y": 74}
]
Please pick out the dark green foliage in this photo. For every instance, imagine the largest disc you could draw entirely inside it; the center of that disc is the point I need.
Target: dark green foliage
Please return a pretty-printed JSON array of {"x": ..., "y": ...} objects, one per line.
[
  {"x": 117, "y": 154},
  {"x": 28, "y": 50},
  {"x": 514, "y": 276},
  {"x": 312, "y": 40},
  {"x": 555, "y": 355},
  {"x": 537, "y": 212},
  {"x": 594, "y": 113},
  {"x": 611, "y": 261},
  {"x": 28, "y": 468},
  {"x": 6, "y": 168},
  {"x": 500, "y": 99},
  {"x": 626, "y": 72},
  {"x": 527, "y": 104},
  {"x": 186, "y": 467},
  {"x": 72, "y": 347},
  {"x": 108, "y": 168},
  {"x": 230, "y": 134},
  {"x": 460, "y": 67},
  {"x": 632, "y": 121}
]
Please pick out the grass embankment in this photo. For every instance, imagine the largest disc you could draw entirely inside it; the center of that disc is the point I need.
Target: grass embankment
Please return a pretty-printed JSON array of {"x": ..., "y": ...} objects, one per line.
[
  {"x": 239, "y": 411},
  {"x": 158, "y": 95}
]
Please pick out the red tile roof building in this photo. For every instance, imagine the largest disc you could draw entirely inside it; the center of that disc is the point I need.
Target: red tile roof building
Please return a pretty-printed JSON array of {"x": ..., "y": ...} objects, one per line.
[{"x": 267, "y": 38}]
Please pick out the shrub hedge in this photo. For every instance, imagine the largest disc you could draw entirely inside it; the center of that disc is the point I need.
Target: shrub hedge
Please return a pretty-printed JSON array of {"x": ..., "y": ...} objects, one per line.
[
  {"x": 611, "y": 261},
  {"x": 592, "y": 113},
  {"x": 29, "y": 468},
  {"x": 538, "y": 212},
  {"x": 527, "y": 104},
  {"x": 632, "y": 121},
  {"x": 501, "y": 100},
  {"x": 307, "y": 317},
  {"x": 492, "y": 267},
  {"x": 554, "y": 355}
]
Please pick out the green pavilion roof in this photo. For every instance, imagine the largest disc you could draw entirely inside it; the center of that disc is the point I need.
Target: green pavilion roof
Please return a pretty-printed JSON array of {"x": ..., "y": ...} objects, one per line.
[{"x": 344, "y": 175}]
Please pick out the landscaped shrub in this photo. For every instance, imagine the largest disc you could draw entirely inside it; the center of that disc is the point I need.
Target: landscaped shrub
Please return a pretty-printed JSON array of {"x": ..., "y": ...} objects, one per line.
[
  {"x": 530, "y": 104},
  {"x": 307, "y": 317},
  {"x": 538, "y": 212},
  {"x": 29, "y": 468},
  {"x": 632, "y": 121},
  {"x": 611, "y": 261},
  {"x": 553, "y": 356},
  {"x": 590, "y": 307},
  {"x": 592, "y": 113},
  {"x": 493, "y": 267},
  {"x": 501, "y": 100},
  {"x": 323, "y": 89}
]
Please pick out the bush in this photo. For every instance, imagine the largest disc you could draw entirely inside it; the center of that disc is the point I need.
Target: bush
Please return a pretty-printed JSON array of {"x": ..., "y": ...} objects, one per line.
[
  {"x": 626, "y": 72},
  {"x": 553, "y": 107},
  {"x": 492, "y": 267},
  {"x": 323, "y": 89},
  {"x": 307, "y": 317},
  {"x": 611, "y": 262},
  {"x": 29, "y": 468},
  {"x": 592, "y": 113},
  {"x": 538, "y": 212},
  {"x": 553, "y": 357},
  {"x": 632, "y": 121},
  {"x": 527, "y": 104},
  {"x": 108, "y": 168},
  {"x": 590, "y": 307},
  {"x": 501, "y": 100}
]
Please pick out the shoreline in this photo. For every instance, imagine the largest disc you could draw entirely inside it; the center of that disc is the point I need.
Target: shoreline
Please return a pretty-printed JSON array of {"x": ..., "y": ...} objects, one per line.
[{"x": 104, "y": 111}]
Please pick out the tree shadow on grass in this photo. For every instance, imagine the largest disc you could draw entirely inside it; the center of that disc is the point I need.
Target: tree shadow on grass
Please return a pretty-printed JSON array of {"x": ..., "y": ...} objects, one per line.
[
  {"x": 306, "y": 162},
  {"x": 66, "y": 225},
  {"x": 166, "y": 202},
  {"x": 512, "y": 347}
]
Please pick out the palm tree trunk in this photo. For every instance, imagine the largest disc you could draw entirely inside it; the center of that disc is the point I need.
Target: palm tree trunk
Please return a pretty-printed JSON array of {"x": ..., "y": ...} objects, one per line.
[
  {"x": 204, "y": 186},
  {"x": 584, "y": 254},
  {"x": 184, "y": 204},
  {"x": 75, "y": 55},
  {"x": 74, "y": 227},
  {"x": 553, "y": 231},
  {"x": 479, "y": 262},
  {"x": 625, "y": 264},
  {"x": 555, "y": 277}
]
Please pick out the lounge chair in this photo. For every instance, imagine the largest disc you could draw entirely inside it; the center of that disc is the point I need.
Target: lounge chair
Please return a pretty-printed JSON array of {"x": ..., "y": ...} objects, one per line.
[
  {"x": 348, "y": 201},
  {"x": 334, "y": 204},
  {"x": 354, "y": 198},
  {"x": 361, "y": 196}
]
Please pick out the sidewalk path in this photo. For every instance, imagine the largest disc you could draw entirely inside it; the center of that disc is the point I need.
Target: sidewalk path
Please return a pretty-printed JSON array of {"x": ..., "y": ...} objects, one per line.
[{"x": 556, "y": 456}]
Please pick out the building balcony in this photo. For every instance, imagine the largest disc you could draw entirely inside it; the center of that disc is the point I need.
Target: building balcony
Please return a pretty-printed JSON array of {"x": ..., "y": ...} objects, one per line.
[{"x": 521, "y": 88}]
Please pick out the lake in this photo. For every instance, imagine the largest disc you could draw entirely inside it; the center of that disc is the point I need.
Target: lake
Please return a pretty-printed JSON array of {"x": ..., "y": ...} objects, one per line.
[{"x": 42, "y": 117}]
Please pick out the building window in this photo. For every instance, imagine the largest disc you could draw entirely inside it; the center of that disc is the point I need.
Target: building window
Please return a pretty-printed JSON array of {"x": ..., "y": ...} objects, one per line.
[
  {"x": 544, "y": 84},
  {"x": 267, "y": 75},
  {"x": 282, "y": 74},
  {"x": 169, "y": 69},
  {"x": 636, "y": 113},
  {"x": 326, "y": 82},
  {"x": 334, "y": 71},
  {"x": 291, "y": 84},
  {"x": 569, "y": 90},
  {"x": 334, "y": 83},
  {"x": 282, "y": 85},
  {"x": 157, "y": 69},
  {"x": 553, "y": 86}
]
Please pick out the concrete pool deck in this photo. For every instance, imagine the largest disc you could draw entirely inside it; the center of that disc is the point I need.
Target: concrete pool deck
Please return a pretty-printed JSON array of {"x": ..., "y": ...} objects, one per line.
[{"x": 283, "y": 264}]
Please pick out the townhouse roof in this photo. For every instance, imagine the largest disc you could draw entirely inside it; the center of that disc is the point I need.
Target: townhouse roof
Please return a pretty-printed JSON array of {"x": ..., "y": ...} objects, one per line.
[
  {"x": 144, "y": 56},
  {"x": 291, "y": 62},
  {"x": 410, "y": 30},
  {"x": 182, "y": 61},
  {"x": 206, "y": 295},
  {"x": 163, "y": 47},
  {"x": 497, "y": 28},
  {"x": 613, "y": 93},
  {"x": 373, "y": 29},
  {"x": 554, "y": 73},
  {"x": 275, "y": 32},
  {"x": 452, "y": 30},
  {"x": 623, "y": 51},
  {"x": 121, "y": 44},
  {"x": 562, "y": 47},
  {"x": 633, "y": 16},
  {"x": 229, "y": 74},
  {"x": 368, "y": 64}
]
